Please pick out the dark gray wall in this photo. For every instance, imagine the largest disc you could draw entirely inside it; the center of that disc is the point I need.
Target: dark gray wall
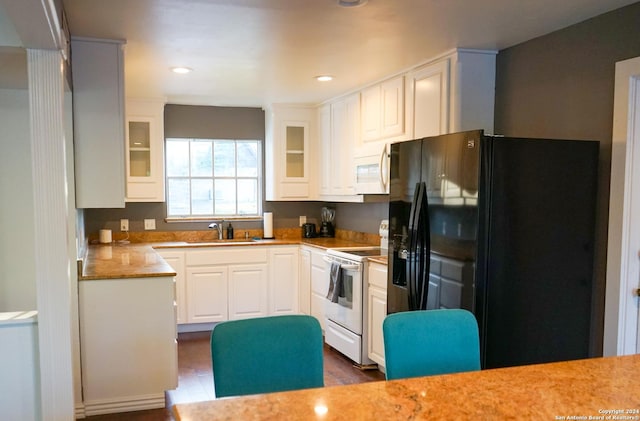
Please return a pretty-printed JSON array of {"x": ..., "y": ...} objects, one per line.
[
  {"x": 190, "y": 121},
  {"x": 561, "y": 86},
  {"x": 194, "y": 121}
]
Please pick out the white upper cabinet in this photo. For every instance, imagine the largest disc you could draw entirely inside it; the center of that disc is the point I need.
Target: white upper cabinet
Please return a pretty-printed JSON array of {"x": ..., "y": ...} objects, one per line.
[
  {"x": 430, "y": 93},
  {"x": 145, "y": 150},
  {"x": 455, "y": 92},
  {"x": 98, "y": 120},
  {"x": 288, "y": 146},
  {"x": 383, "y": 110},
  {"x": 339, "y": 131}
]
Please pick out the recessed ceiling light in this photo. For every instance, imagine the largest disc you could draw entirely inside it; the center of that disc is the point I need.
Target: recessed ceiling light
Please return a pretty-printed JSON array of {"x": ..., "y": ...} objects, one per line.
[
  {"x": 181, "y": 70},
  {"x": 324, "y": 78},
  {"x": 351, "y": 3}
]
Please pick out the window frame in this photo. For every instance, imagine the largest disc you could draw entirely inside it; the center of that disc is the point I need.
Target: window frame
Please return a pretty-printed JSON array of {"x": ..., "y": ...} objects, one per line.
[{"x": 227, "y": 217}]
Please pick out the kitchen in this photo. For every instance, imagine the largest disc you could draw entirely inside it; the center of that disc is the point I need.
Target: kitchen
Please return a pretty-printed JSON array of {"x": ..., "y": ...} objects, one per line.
[{"x": 516, "y": 81}]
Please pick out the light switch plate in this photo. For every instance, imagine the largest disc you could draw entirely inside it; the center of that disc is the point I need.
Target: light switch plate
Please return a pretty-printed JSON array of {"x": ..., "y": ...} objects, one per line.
[
  {"x": 149, "y": 224},
  {"x": 303, "y": 220}
]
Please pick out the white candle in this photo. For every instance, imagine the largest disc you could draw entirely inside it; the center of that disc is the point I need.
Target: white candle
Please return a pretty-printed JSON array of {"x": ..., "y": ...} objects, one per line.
[
  {"x": 105, "y": 236},
  {"x": 268, "y": 225}
]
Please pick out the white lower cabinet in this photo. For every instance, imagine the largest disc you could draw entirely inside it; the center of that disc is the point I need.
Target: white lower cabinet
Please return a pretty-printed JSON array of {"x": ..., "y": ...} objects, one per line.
[
  {"x": 227, "y": 283},
  {"x": 248, "y": 291},
  {"x": 128, "y": 340},
  {"x": 283, "y": 280},
  {"x": 207, "y": 290},
  {"x": 377, "y": 297},
  {"x": 319, "y": 285},
  {"x": 304, "y": 281},
  {"x": 175, "y": 258}
]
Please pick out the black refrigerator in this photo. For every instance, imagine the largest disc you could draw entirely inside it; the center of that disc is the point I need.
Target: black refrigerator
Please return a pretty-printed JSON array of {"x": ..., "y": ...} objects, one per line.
[{"x": 503, "y": 227}]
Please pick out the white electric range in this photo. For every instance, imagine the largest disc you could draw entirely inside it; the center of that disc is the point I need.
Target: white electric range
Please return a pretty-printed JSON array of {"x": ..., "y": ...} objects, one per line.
[{"x": 346, "y": 329}]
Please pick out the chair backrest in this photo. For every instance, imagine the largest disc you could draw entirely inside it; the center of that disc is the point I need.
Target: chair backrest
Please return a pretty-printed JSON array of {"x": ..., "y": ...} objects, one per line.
[
  {"x": 267, "y": 354},
  {"x": 428, "y": 342}
]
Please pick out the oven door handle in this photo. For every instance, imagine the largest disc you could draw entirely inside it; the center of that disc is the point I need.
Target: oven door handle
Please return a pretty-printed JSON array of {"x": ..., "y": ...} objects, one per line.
[{"x": 342, "y": 266}]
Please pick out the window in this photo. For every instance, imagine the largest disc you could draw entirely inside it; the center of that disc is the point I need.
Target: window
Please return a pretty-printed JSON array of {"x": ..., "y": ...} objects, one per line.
[{"x": 213, "y": 178}]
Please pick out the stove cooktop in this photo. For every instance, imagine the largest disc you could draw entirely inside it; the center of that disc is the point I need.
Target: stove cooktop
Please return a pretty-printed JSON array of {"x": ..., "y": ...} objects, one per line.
[{"x": 357, "y": 253}]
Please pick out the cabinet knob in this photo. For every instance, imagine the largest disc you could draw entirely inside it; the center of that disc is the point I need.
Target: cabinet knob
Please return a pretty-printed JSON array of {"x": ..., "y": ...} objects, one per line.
[{"x": 637, "y": 292}]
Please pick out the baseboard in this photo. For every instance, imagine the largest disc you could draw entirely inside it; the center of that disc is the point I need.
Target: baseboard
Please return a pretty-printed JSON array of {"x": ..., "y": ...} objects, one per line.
[
  {"x": 135, "y": 403},
  {"x": 195, "y": 327},
  {"x": 79, "y": 411}
]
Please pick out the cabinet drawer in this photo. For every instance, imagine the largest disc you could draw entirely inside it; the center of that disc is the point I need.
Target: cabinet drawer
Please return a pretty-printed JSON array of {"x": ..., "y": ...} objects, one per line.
[
  {"x": 434, "y": 265},
  {"x": 227, "y": 255},
  {"x": 348, "y": 342},
  {"x": 452, "y": 269},
  {"x": 317, "y": 259},
  {"x": 450, "y": 294},
  {"x": 378, "y": 275}
]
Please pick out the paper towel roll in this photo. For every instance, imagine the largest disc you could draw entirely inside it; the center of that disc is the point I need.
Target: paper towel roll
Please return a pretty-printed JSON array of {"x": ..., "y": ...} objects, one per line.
[
  {"x": 268, "y": 225},
  {"x": 105, "y": 236}
]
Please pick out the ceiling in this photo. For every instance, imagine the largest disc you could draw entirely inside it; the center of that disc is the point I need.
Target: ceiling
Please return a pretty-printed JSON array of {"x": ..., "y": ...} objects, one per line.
[{"x": 256, "y": 52}]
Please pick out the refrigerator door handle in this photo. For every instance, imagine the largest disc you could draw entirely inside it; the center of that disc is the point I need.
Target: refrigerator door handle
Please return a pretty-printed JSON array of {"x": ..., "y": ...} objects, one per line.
[
  {"x": 419, "y": 245},
  {"x": 423, "y": 251},
  {"x": 411, "y": 267}
]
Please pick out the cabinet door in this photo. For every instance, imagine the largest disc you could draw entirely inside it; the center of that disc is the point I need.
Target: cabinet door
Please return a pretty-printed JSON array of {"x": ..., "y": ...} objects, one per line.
[
  {"x": 392, "y": 107},
  {"x": 176, "y": 260},
  {"x": 430, "y": 87},
  {"x": 288, "y": 152},
  {"x": 324, "y": 137},
  {"x": 319, "y": 286},
  {"x": 207, "y": 291},
  {"x": 145, "y": 151},
  {"x": 370, "y": 113},
  {"x": 304, "y": 281},
  {"x": 98, "y": 123},
  {"x": 377, "y": 312},
  {"x": 345, "y": 129},
  {"x": 283, "y": 280},
  {"x": 248, "y": 291}
]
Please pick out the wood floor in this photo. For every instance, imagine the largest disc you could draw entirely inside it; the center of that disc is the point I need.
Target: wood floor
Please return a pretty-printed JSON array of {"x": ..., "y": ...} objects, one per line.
[{"x": 195, "y": 379}]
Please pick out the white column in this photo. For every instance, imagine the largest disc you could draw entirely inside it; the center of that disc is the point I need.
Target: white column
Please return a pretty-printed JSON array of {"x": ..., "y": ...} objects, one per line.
[{"x": 46, "y": 104}]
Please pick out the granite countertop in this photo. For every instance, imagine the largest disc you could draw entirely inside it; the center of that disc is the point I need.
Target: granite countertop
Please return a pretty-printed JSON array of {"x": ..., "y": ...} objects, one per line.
[
  {"x": 114, "y": 261},
  {"x": 580, "y": 389},
  {"x": 134, "y": 260},
  {"x": 384, "y": 260}
]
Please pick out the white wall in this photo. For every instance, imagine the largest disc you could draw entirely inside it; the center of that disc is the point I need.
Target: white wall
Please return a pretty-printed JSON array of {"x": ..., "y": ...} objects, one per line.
[{"x": 17, "y": 261}]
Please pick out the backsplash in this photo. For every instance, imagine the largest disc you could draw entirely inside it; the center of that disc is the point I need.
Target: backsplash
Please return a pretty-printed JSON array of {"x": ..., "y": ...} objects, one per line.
[
  {"x": 357, "y": 220},
  {"x": 194, "y": 236}
]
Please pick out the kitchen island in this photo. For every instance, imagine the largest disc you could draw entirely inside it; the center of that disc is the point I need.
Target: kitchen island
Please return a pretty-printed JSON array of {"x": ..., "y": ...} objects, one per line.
[{"x": 598, "y": 388}]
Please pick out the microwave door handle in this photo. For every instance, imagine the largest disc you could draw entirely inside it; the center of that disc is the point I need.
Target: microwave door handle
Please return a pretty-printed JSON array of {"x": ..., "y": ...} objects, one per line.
[{"x": 382, "y": 174}]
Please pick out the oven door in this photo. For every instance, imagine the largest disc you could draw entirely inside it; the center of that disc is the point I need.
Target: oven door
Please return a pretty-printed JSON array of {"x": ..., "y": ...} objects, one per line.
[{"x": 347, "y": 312}]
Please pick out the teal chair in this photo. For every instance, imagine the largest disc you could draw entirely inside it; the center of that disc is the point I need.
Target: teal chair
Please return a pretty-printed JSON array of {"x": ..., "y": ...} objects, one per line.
[
  {"x": 429, "y": 342},
  {"x": 268, "y": 354}
]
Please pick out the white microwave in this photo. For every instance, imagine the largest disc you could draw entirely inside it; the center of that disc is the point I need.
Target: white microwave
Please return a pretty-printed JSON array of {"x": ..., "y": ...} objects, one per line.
[{"x": 372, "y": 169}]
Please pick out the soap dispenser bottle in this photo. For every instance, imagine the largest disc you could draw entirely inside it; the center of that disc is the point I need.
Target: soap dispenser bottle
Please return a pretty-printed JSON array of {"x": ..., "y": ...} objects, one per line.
[{"x": 229, "y": 232}]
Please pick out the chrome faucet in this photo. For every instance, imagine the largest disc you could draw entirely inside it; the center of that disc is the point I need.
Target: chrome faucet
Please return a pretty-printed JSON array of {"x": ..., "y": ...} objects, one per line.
[{"x": 217, "y": 226}]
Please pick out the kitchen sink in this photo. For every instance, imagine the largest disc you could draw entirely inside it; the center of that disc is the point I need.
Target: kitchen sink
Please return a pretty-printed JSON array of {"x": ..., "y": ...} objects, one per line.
[{"x": 237, "y": 241}]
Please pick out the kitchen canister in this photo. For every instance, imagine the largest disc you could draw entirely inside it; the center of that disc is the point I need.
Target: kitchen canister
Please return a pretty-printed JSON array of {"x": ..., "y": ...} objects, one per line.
[
  {"x": 268, "y": 225},
  {"x": 105, "y": 236}
]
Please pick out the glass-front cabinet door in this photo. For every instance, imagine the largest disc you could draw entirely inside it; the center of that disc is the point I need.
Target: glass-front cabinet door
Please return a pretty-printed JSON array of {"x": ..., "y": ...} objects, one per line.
[
  {"x": 288, "y": 133},
  {"x": 295, "y": 150},
  {"x": 139, "y": 148},
  {"x": 145, "y": 151}
]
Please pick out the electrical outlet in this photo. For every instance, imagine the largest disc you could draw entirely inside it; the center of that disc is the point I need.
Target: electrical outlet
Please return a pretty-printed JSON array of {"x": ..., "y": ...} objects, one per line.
[
  {"x": 149, "y": 224},
  {"x": 124, "y": 225},
  {"x": 303, "y": 220}
]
